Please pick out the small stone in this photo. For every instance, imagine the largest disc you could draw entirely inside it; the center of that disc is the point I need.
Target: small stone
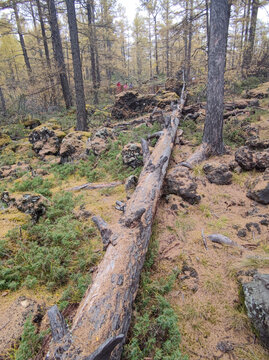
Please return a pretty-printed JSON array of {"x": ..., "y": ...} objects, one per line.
[
  {"x": 174, "y": 207},
  {"x": 242, "y": 233},
  {"x": 225, "y": 346},
  {"x": 25, "y": 303},
  {"x": 5, "y": 293}
]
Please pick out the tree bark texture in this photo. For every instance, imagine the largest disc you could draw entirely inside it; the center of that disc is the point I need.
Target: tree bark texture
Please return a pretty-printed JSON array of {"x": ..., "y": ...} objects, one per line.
[
  {"x": 104, "y": 314},
  {"x": 78, "y": 79},
  {"x": 58, "y": 53},
  {"x": 24, "y": 51},
  {"x": 249, "y": 47},
  {"x": 3, "y": 103},
  {"x": 93, "y": 48},
  {"x": 219, "y": 22},
  {"x": 47, "y": 54}
]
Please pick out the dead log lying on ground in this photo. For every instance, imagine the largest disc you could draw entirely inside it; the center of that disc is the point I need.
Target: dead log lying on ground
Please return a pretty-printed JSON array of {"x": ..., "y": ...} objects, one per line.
[
  {"x": 104, "y": 315},
  {"x": 93, "y": 186}
]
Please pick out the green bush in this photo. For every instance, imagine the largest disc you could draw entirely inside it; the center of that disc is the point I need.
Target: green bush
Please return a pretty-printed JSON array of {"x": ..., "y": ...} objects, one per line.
[
  {"x": 49, "y": 252},
  {"x": 155, "y": 331},
  {"x": 30, "y": 342},
  {"x": 36, "y": 184}
]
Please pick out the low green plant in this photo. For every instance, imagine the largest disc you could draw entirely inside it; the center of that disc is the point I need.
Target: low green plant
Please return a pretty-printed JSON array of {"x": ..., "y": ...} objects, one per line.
[
  {"x": 155, "y": 331},
  {"x": 30, "y": 341},
  {"x": 49, "y": 252},
  {"x": 36, "y": 184}
]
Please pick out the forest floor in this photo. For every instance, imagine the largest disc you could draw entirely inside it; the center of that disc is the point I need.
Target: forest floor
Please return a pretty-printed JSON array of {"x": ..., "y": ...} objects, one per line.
[{"x": 53, "y": 260}]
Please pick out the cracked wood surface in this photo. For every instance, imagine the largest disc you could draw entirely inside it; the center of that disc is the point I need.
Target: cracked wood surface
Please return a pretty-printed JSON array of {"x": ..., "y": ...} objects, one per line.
[{"x": 105, "y": 311}]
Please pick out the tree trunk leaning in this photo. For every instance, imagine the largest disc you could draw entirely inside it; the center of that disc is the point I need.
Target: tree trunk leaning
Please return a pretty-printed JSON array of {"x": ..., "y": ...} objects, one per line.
[{"x": 104, "y": 315}]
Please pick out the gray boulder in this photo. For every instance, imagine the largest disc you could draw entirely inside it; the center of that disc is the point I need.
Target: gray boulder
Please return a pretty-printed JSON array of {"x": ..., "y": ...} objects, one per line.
[
  {"x": 179, "y": 182},
  {"x": 257, "y": 303},
  {"x": 218, "y": 174},
  {"x": 132, "y": 155}
]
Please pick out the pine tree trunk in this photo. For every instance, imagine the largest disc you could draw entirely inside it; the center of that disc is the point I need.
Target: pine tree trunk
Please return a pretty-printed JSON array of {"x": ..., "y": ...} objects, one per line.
[
  {"x": 3, "y": 103},
  {"x": 80, "y": 97},
  {"x": 58, "y": 53},
  {"x": 156, "y": 45},
  {"x": 92, "y": 39},
  {"x": 21, "y": 38},
  {"x": 213, "y": 129},
  {"x": 47, "y": 54}
]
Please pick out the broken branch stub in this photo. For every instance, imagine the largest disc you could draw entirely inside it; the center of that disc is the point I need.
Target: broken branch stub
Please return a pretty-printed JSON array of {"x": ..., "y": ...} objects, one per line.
[{"x": 106, "y": 309}]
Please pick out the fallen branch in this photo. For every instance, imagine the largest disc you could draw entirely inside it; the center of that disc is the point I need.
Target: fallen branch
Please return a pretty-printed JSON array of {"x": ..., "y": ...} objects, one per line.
[
  {"x": 204, "y": 240},
  {"x": 93, "y": 186},
  {"x": 223, "y": 240},
  {"x": 105, "y": 311}
]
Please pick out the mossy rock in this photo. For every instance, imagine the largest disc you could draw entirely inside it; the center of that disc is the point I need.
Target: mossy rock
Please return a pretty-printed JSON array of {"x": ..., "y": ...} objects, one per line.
[
  {"x": 4, "y": 140},
  {"x": 31, "y": 123}
]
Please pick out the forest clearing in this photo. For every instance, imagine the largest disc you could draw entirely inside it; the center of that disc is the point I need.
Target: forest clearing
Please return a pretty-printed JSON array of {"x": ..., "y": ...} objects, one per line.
[{"x": 134, "y": 225}]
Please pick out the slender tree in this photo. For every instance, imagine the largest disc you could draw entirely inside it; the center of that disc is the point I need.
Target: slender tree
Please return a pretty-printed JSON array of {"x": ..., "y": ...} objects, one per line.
[
  {"x": 58, "y": 52},
  {"x": 3, "y": 103},
  {"x": 213, "y": 129},
  {"x": 46, "y": 49},
  {"x": 21, "y": 38},
  {"x": 80, "y": 97}
]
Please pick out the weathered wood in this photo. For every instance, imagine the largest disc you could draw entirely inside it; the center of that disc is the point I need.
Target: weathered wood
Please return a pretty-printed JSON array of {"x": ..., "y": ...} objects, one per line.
[
  {"x": 204, "y": 239},
  {"x": 104, "y": 351},
  {"x": 221, "y": 239},
  {"x": 145, "y": 150},
  {"x": 93, "y": 186},
  {"x": 105, "y": 311},
  {"x": 57, "y": 324}
]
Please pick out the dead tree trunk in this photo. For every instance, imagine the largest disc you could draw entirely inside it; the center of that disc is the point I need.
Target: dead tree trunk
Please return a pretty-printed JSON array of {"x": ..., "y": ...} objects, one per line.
[{"x": 104, "y": 315}]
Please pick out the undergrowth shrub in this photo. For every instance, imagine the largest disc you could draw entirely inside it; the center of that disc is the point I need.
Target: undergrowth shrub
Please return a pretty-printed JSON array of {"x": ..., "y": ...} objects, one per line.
[
  {"x": 154, "y": 332},
  {"x": 49, "y": 252},
  {"x": 36, "y": 184},
  {"x": 30, "y": 342}
]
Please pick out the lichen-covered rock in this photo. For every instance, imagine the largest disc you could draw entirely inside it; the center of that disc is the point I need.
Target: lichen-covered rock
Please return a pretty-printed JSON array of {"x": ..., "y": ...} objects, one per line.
[
  {"x": 261, "y": 92},
  {"x": 130, "y": 185},
  {"x": 245, "y": 158},
  {"x": 178, "y": 181},
  {"x": 259, "y": 191},
  {"x": 14, "y": 170},
  {"x": 132, "y": 155},
  {"x": 99, "y": 142},
  {"x": 4, "y": 140},
  {"x": 256, "y": 295},
  {"x": 129, "y": 104},
  {"x": 73, "y": 147},
  {"x": 218, "y": 174},
  {"x": 256, "y": 143},
  {"x": 174, "y": 85},
  {"x": 45, "y": 141},
  {"x": 34, "y": 205},
  {"x": 31, "y": 123},
  {"x": 262, "y": 160}
]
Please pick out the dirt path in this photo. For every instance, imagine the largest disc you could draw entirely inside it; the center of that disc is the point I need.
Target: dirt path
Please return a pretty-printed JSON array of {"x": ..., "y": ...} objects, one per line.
[{"x": 206, "y": 295}]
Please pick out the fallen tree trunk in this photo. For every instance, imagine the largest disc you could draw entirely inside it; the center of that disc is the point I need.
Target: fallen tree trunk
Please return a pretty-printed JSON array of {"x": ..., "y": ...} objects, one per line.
[
  {"x": 93, "y": 186},
  {"x": 104, "y": 315}
]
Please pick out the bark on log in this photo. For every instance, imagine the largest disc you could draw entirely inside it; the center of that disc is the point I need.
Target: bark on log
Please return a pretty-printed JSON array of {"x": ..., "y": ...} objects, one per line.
[
  {"x": 105, "y": 311},
  {"x": 93, "y": 186}
]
